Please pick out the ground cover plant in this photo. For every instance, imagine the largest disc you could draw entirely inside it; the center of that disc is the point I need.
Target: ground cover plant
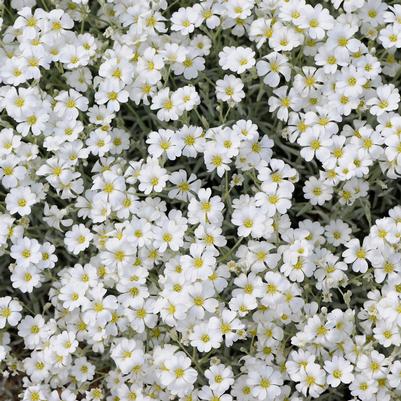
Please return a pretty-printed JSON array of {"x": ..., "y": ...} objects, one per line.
[{"x": 200, "y": 200}]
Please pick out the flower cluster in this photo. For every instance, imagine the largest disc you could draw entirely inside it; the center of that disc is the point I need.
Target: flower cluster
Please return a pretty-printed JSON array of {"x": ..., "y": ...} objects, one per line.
[{"x": 199, "y": 200}]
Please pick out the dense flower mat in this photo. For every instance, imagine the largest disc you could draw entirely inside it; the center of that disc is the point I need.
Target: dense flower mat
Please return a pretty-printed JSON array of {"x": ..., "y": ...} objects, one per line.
[{"x": 200, "y": 200}]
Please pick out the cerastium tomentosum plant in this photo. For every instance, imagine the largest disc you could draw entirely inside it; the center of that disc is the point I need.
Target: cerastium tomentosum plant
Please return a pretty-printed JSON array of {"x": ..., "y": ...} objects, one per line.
[{"x": 200, "y": 200}]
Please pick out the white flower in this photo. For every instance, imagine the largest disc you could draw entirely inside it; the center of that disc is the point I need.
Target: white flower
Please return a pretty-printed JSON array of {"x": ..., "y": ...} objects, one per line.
[
  {"x": 179, "y": 376},
  {"x": 153, "y": 177},
  {"x": 387, "y": 99},
  {"x": 185, "y": 20},
  {"x": 236, "y": 59},
  {"x": 220, "y": 377},
  {"x": 271, "y": 66},
  {"x": 317, "y": 191},
  {"x": 113, "y": 93},
  {"x": 19, "y": 200},
  {"x": 339, "y": 371},
  {"x": 357, "y": 255},
  {"x": 26, "y": 252},
  {"x": 229, "y": 89},
  {"x": 9, "y": 311},
  {"x": 265, "y": 382},
  {"x": 78, "y": 239},
  {"x": 207, "y": 209},
  {"x": 204, "y": 339},
  {"x": 311, "y": 380},
  {"x": 163, "y": 101},
  {"x": 122, "y": 354}
]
